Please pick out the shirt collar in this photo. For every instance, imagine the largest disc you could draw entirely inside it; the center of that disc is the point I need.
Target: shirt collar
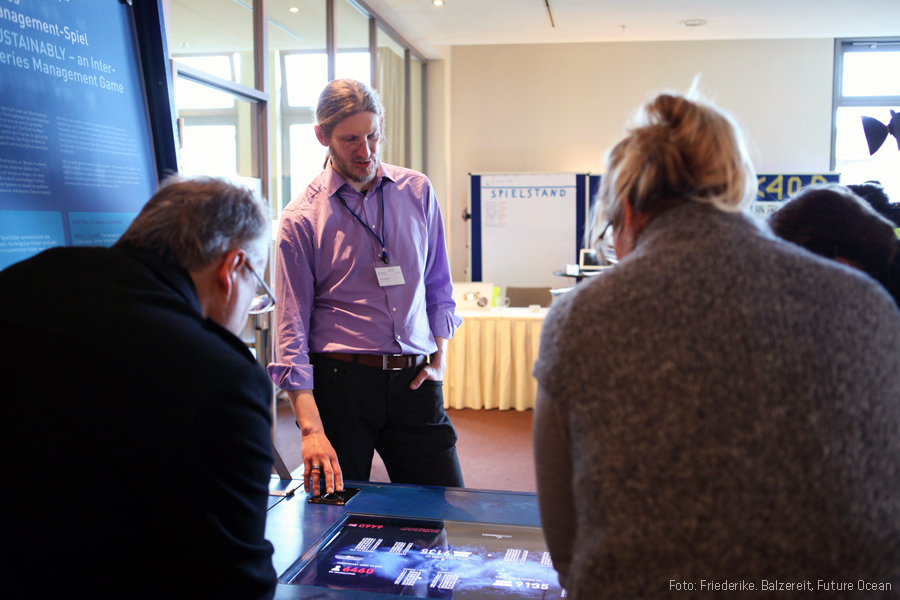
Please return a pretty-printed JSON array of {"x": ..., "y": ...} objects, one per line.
[{"x": 334, "y": 181}]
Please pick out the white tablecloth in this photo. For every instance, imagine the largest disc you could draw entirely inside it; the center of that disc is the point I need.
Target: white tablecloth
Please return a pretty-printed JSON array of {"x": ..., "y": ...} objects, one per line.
[{"x": 490, "y": 358}]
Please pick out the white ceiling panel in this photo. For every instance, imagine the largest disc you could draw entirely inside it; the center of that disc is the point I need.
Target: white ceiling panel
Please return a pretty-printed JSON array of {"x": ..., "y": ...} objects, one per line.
[
  {"x": 217, "y": 25},
  {"x": 466, "y": 22}
]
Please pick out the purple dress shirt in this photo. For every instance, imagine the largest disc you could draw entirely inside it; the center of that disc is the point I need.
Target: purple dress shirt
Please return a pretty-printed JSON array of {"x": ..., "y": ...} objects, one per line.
[{"x": 328, "y": 295}]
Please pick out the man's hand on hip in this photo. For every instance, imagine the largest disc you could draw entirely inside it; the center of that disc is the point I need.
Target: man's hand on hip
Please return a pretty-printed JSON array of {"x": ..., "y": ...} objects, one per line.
[{"x": 434, "y": 370}]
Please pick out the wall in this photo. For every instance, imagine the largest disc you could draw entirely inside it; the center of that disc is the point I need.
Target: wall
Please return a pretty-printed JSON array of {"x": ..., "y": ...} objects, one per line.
[
  {"x": 437, "y": 127},
  {"x": 558, "y": 107}
]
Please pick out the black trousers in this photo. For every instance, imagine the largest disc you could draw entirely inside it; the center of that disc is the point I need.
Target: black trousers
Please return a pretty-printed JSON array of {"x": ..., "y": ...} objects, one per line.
[{"x": 364, "y": 409}]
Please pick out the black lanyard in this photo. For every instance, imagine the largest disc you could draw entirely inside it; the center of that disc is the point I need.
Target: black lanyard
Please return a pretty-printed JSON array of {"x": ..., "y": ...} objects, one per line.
[{"x": 381, "y": 240}]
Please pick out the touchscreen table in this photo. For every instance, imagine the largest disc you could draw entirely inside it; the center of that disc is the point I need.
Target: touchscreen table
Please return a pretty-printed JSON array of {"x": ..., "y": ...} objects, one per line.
[{"x": 427, "y": 558}]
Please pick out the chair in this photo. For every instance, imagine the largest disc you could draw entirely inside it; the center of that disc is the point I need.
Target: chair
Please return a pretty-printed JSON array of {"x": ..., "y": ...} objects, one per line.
[{"x": 526, "y": 296}]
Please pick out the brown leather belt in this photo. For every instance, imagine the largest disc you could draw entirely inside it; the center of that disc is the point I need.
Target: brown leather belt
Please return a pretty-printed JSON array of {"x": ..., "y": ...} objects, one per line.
[{"x": 386, "y": 362}]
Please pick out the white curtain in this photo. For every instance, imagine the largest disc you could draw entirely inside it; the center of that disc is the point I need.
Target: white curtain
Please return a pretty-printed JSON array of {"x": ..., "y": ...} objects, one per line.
[{"x": 391, "y": 87}]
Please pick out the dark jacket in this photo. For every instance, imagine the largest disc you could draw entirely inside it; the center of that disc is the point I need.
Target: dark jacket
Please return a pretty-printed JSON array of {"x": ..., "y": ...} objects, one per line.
[{"x": 135, "y": 435}]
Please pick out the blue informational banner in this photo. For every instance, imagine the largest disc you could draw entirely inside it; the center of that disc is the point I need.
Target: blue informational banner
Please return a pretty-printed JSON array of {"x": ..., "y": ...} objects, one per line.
[
  {"x": 24, "y": 233},
  {"x": 776, "y": 188},
  {"x": 76, "y": 151},
  {"x": 772, "y": 190}
]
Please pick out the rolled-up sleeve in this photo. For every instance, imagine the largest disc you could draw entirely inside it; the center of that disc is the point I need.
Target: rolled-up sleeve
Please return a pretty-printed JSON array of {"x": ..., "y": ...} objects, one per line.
[{"x": 295, "y": 290}]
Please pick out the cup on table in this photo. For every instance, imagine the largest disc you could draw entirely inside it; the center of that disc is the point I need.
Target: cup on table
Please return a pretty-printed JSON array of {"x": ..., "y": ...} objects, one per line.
[{"x": 501, "y": 302}]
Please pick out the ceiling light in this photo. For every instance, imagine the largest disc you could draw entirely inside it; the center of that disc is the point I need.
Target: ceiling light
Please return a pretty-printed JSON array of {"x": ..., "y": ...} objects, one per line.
[
  {"x": 694, "y": 22},
  {"x": 438, "y": 2},
  {"x": 294, "y": 9}
]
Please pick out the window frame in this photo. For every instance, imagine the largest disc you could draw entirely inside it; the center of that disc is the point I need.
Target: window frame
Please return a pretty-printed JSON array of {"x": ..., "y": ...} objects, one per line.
[
  {"x": 292, "y": 115},
  {"x": 297, "y": 115},
  {"x": 843, "y": 46},
  {"x": 216, "y": 116}
]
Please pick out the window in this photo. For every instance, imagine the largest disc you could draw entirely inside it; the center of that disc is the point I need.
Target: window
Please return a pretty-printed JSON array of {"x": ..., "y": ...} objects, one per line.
[
  {"x": 866, "y": 85},
  {"x": 352, "y": 30},
  {"x": 305, "y": 74},
  {"x": 209, "y": 135},
  {"x": 212, "y": 27},
  {"x": 216, "y": 47},
  {"x": 194, "y": 95}
]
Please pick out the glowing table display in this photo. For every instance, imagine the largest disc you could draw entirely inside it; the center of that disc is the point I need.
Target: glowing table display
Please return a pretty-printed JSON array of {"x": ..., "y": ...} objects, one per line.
[{"x": 416, "y": 541}]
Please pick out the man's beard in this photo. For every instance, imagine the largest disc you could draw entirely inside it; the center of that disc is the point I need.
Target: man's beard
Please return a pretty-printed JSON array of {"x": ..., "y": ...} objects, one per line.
[{"x": 353, "y": 173}]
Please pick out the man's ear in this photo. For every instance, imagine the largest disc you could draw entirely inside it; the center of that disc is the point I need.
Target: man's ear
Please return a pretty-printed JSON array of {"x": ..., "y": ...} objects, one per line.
[
  {"x": 320, "y": 135},
  {"x": 230, "y": 262}
]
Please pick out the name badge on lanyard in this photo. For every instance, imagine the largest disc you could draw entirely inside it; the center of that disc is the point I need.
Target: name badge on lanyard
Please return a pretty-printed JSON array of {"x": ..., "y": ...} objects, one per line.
[{"x": 388, "y": 275}]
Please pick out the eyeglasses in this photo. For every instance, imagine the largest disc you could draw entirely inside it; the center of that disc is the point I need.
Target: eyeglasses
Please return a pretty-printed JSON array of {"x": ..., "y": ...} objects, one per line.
[
  {"x": 373, "y": 140},
  {"x": 607, "y": 249},
  {"x": 264, "y": 300}
]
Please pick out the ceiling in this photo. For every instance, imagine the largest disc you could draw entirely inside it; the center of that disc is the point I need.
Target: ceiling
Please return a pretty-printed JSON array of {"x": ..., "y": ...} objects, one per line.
[
  {"x": 465, "y": 22},
  {"x": 203, "y": 26}
]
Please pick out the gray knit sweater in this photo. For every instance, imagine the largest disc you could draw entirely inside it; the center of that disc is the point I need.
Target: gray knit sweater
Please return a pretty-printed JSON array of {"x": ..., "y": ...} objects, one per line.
[{"x": 726, "y": 408}]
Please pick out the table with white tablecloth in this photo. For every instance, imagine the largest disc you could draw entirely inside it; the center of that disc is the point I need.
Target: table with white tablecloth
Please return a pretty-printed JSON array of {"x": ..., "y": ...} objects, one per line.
[{"x": 490, "y": 359}]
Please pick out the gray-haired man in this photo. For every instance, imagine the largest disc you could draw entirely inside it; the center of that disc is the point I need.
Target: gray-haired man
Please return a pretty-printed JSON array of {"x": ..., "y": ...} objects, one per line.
[{"x": 136, "y": 428}]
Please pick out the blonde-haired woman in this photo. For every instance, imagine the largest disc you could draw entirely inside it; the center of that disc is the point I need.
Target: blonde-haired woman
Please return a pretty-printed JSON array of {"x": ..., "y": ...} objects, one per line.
[{"x": 716, "y": 409}]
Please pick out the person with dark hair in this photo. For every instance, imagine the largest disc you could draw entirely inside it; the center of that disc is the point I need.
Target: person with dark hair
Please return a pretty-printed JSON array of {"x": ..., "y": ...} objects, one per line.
[
  {"x": 832, "y": 221},
  {"x": 873, "y": 193},
  {"x": 136, "y": 422},
  {"x": 721, "y": 407},
  {"x": 367, "y": 308}
]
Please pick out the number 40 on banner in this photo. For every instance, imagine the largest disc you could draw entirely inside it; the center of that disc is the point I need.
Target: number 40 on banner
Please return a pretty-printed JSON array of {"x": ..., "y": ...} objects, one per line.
[{"x": 777, "y": 188}]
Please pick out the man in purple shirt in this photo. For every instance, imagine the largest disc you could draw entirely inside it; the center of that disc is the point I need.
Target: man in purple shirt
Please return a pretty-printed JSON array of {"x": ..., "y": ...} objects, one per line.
[{"x": 366, "y": 308}]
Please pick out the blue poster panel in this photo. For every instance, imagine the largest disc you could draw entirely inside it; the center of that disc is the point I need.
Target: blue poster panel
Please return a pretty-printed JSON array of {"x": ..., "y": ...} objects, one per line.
[
  {"x": 76, "y": 153},
  {"x": 776, "y": 188},
  {"x": 772, "y": 190}
]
